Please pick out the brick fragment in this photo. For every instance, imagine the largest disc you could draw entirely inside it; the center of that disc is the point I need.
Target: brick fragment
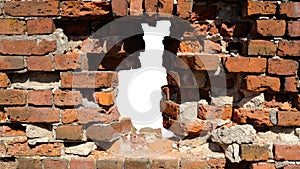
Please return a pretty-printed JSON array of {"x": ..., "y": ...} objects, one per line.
[
  {"x": 290, "y": 84},
  {"x": 92, "y": 79},
  {"x": 288, "y": 118},
  {"x": 261, "y": 47},
  {"x": 214, "y": 112},
  {"x": 12, "y": 26},
  {"x": 136, "y": 7},
  {"x": 68, "y": 61},
  {"x": 4, "y": 80},
  {"x": 282, "y": 67},
  {"x": 27, "y": 47},
  {"x": 78, "y": 8},
  {"x": 25, "y": 163},
  {"x": 11, "y": 63},
  {"x": 284, "y": 48},
  {"x": 119, "y": 7},
  {"x": 287, "y": 152},
  {"x": 104, "y": 98},
  {"x": 33, "y": 115},
  {"x": 13, "y": 97},
  {"x": 12, "y": 130},
  {"x": 184, "y": 8},
  {"x": 23, "y": 149},
  {"x": 61, "y": 164},
  {"x": 39, "y": 63},
  {"x": 256, "y": 117},
  {"x": 253, "y": 152},
  {"x": 262, "y": 83},
  {"x": 262, "y": 166},
  {"x": 67, "y": 98},
  {"x": 290, "y": 9},
  {"x": 40, "y": 26},
  {"x": 40, "y": 97},
  {"x": 245, "y": 64},
  {"x": 270, "y": 27},
  {"x": 150, "y": 6},
  {"x": 164, "y": 162},
  {"x": 31, "y": 8},
  {"x": 169, "y": 108},
  {"x": 165, "y": 6},
  {"x": 260, "y": 8},
  {"x": 294, "y": 28},
  {"x": 69, "y": 132}
]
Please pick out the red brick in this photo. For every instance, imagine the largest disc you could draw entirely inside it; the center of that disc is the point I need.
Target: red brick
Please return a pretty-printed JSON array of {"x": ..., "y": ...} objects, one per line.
[
  {"x": 119, "y": 7},
  {"x": 9, "y": 164},
  {"x": 150, "y": 6},
  {"x": 39, "y": 63},
  {"x": 69, "y": 132},
  {"x": 260, "y": 8},
  {"x": 234, "y": 29},
  {"x": 12, "y": 130},
  {"x": 201, "y": 62},
  {"x": 214, "y": 112},
  {"x": 253, "y": 152},
  {"x": 82, "y": 163},
  {"x": 217, "y": 162},
  {"x": 287, "y": 152},
  {"x": 23, "y": 149},
  {"x": 12, "y": 26},
  {"x": 141, "y": 163},
  {"x": 68, "y": 61},
  {"x": 245, "y": 64},
  {"x": 261, "y": 47},
  {"x": 262, "y": 83},
  {"x": 40, "y": 26},
  {"x": 288, "y": 118},
  {"x": 284, "y": 48},
  {"x": 290, "y": 9},
  {"x": 104, "y": 98},
  {"x": 4, "y": 80},
  {"x": 27, "y": 47},
  {"x": 290, "y": 84},
  {"x": 270, "y": 27},
  {"x": 282, "y": 67},
  {"x": 262, "y": 166},
  {"x": 136, "y": 7},
  {"x": 201, "y": 12},
  {"x": 40, "y": 97},
  {"x": 169, "y": 108},
  {"x": 184, "y": 8},
  {"x": 25, "y": 163},
  {"x": 13, "y": 97},
  {"x": 83, "y": 116},
  {"x": 33, "y": 115},
  {"x": 90, "y": 79},
  {"x": 110, "y": 163},
  {"x": 50, "y": 163},
  {"x": 77, "y": 8},
  {"x": 67, "y": 98},
  {"x": 211, "y": 47},
  {"x": 165, "y": 6},
  {"x": 256, "y": 117},
  {"x": 32, "y": 8},
  {"x": 292, "y": 167},
  {"x": 91, "y": 46},
  {"x": 190, "y": 46},
  {"x": 164, "y": 162},
  {"x": 11, "y": 63},
  {"x": 188, "y": 163},
  {"x": 294, "y": 28}
]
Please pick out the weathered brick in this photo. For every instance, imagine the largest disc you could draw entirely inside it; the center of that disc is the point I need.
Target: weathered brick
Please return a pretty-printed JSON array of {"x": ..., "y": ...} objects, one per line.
[
  {"x": 217, "y": 162},
  {"x": 27, "y": 47},
  {"x": 261, "y": 47},
  {"x": 78, "y": 8},
  {"x": 284, "y": 48},
  {"x": 40, "y": 97},
  {"x": 82, "y": 163},
  {"x": 9, "y": 164},
  {"x": 165, "y": 6},
  {"x": 234, "y": 29},
  {"x": 13, "y": 97},
  {"x": 32, "y": 8},
  {"x": 292, "y": 167},
  {"x": 67, "y": 98},
  {"x": 39, "y": 63},
  {"x": 288, "y": 118},
  {"x": 188, "y": 163},
  {"x": 4, "y": 80},
  {"x": 286, "y": 152},
  {"x": 256, "y": 117},
  {"x": 297, "y": 101},
  {"x": 262, "y": 166},
  {"x": 282, "y": 67},
  {"x": 136, "y": 7},
  {"x": 253, "y": 152},
  {"x": 12, "y": 26},
  {"x": 141, "y": 163},
  {"x": 88, "y": 79},
  {"x": 190, "y": 46},
  {"x": 40, "y": 26},
  {"x": 50, "y": 163},
  {"x": 12, "y": 130},
  {"x": 294, "y": 28},
  {"x": 69, "y": 132},
  {"x": 11, "y": 63},
  {"x": 169, "y": 108},
  {"x": 23, "y": 149},
  {"x": 290, "y": 84},
  {"x": 110, "y": 163},
  {"x": 119, "y": 7},
  {"x": 290, "y": 9},
  {"x": 68, "y": 61},
  {"x": 150, "y": 6},
  {"x": 262, "y": 83},
  {"x": 104, "y": 98},
  {"x": 25, "y": 163},
  {"x": 33, "y": 115},
  {"x": 245, "y": 64},
  {"x": 260, "y": 8},
  {"x": 214, "y": 112},
  {"x": 270, "y": 27},
  {"x": 201, "y": 62},
  {"x": 164, "y": 162},
  {"x": 184, "y": 8}
]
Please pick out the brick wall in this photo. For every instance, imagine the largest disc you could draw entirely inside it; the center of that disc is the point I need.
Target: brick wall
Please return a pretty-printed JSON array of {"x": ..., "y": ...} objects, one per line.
[{"x": 236, "y": 65}]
